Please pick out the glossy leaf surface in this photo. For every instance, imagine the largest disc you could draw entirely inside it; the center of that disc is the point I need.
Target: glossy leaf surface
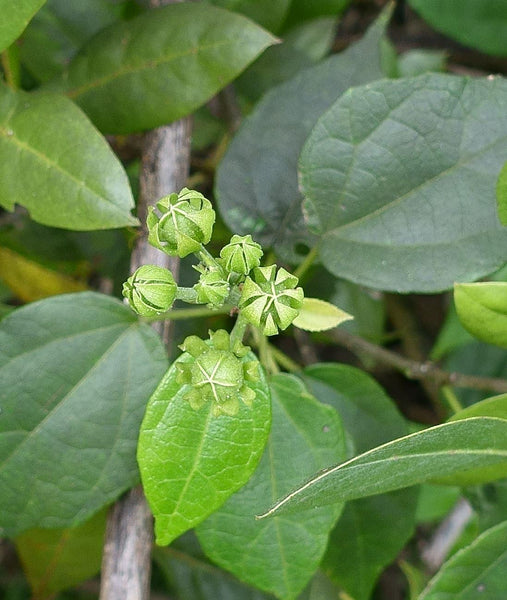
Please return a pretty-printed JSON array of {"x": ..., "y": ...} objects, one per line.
[
  {"x": 366, "y": 537},
  {"x": 75, "y": 374},
  {"x": 472, "y": 451},
  {"x": 279, "y": 555},
  {"x": 482, "y": 25},
  {"x": 55, "y": 164},
  {"x": 15, "y": 17},
  {"x": 192, "y": 461},
  {"x": 385, "y": 180},
  {"x": 482, "y": 309},
  {"x": 477, "y": 571},
  {"x": 161, "y": 65},
  {"x": 56, "y": 559},
  {"x": 257, "y": 184}
]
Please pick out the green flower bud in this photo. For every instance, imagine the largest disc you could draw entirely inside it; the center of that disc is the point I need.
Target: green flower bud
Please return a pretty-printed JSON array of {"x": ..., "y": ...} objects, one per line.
[
  {"x": 217, "y": 373},
  {"x": 271, "y": 299},
  {"x": 212, "y": 289},
  {"x": 241, "y": 254},
  {"x": 150, "y": 290},
  {"x": 185, "y": 221}
]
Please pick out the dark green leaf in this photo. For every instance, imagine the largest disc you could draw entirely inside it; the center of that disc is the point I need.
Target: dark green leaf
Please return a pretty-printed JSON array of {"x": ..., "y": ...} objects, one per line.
[
  {"x": 15, "y": 17},
  {"x": 191, "y": 575},
  {"x": 475, "y": 23},
  {"x": 192, "y": 461},
  {"x": 160, "y": 65},
  {"x": 417, "y": 62},
  {"x": 302, "y": 10},
  {"x": 482, "y": 308},
  {"x": 268, "y": 13},
  {"x": 279, "y": 555},
  {"x": 384, "y": 181},
  {"x": 58, "y": 31},
  {"x": 477, "y": 571},
  {"x": 56, "y": 164},
  {"x": 435, "y": 501},
  {"x": 56, "y": 559},
  {"x": 257, "y": 184},
  {"x": 471, "y": 451},
  {"x": 75, "y": 373},
  {"x": 366, "y": 537}
]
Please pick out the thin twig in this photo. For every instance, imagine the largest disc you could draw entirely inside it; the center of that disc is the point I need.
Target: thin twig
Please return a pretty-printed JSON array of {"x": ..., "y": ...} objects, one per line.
[{"x": 418, "y": 370}]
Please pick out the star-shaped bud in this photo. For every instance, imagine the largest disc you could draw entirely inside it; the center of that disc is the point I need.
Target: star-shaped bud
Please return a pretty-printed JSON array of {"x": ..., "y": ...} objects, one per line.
[
  {"x": 217, "y": 373},
  {"x": 241, "y": 255},
  {"x": 270, "y": 299},
  {"x": 150, "y": 291},
  {"x": 212, "y": 289},
  {"x": 181, "y": 223}
]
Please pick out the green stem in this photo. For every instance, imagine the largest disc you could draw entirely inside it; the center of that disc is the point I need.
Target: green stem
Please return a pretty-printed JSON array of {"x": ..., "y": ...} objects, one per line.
[
  {"x": 208, "y": 259},
  {"x": 264, "y": 349},
  {"x": 190, "y": 313},
  {"x": 283, "y": 360},
  {"x": 451, "y": 398},
  {"x": 8, "y": 60},
  {"x": 186, "y": 294},
  {"x": 307, "y": 262},
  {"x": 238, "y": 331}
]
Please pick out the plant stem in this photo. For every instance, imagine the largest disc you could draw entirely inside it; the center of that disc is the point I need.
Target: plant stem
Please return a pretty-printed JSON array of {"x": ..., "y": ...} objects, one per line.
[
  {"x": 238, "y": 331},
  {"x": 417, "y": 370},
  {"x": 208, "y": 259},
  {"x": 190, "y": 313},
  {"x": 283, "y": 360},
  {"x": 307, "y": 263},
  {"x": 186, "y": 294},
  {"x": 451, "y": 398}
]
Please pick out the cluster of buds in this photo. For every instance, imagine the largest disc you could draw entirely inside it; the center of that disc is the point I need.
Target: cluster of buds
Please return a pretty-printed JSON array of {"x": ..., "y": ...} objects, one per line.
[
  {"x": 218, "y": 372},
  {"x": 266, "y": 297}
]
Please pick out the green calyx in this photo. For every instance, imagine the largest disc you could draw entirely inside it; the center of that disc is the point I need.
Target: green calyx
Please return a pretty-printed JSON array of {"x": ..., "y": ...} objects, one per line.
[
  {"x": 241, "y": 255},
  {"x": 184, "y": 222},
  {"x": 150, "y": 291},
  {"x": 270, "y": 299},
  {"x": 218, "y": 373},
  {"x": 212, "y": 289}
]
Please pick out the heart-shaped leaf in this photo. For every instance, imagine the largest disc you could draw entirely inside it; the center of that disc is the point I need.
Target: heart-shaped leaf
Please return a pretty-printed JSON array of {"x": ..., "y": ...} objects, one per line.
[
  {"x": 386, "y": 180},
  {"x": 161, "y": 65},
  {"x": 482, "y": 309},
  {"x": 257, "y": 184},
  {"x": 56, "y": 164},
  {"x": 279, "y": 555},
  {"x": 471, "y": 451},
  {"x": 15, "y": 17},
  {"x": 75, "y": 374},
  {"x": 190, "y": 460}
]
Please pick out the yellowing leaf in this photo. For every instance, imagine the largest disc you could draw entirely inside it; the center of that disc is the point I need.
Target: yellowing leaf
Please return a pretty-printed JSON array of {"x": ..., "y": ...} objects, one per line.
[
  {"x": 318, "y": 315},
  {"x": 31, "y": 281}
]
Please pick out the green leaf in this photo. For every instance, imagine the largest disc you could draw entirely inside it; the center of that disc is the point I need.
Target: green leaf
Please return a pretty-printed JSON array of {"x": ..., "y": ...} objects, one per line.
[
  {"x": 384, "y": 181},
  {"x": 501, "y": 191},
  {"x": 192, "y": 575},
  {"x": 366, "y": 537},
  {"x": 435, "y": 502},
  {"x": 15, "y": 17},
  {"x": 475, "y": 449},
  {"x": 54, "y": 163},
  {"x": 59, "y": 29},
  {"x": 319, "y": 315},
  {"x": 267, "y": 13},
  {"x": 302, "y": 10},
  {"x": 161, "y": 65},
  {"x": 417, "y": 62},
  {"x": 56, "y": 559},
  {"x": 279, "y": 555},
  {"x": 477, "y": 571},
  {"x": 491, "y": 407},
  {"x": 482, "y": 308},
  {"x": 257, "y": 186},
  {"x": 191, "y": 461},
  {"x": 75, "y": 373},
  {"x": 482, "y": 25}
]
